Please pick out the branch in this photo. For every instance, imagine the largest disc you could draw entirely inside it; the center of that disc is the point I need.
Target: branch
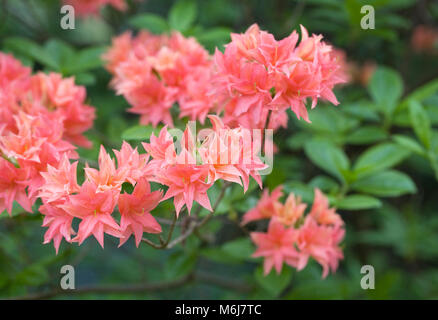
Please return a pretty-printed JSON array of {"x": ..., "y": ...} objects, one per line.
[
  {"x": 196, "y": 225},
  {"x": 201, "y": 276},
  {"x": 146, "y": 287}
]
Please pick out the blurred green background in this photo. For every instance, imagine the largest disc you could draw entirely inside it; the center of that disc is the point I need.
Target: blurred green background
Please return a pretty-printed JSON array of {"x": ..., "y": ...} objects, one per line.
[{"x": 375, "y": 155}]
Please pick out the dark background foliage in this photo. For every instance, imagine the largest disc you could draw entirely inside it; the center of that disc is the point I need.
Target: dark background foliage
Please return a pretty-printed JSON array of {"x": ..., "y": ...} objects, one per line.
[{"x": 375, "y": 155}]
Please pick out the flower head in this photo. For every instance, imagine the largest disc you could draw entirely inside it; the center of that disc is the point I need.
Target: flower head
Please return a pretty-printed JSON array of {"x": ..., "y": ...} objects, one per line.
[
  {"x": 276, "y": 246},
  {"x": 135, "y": 212}
]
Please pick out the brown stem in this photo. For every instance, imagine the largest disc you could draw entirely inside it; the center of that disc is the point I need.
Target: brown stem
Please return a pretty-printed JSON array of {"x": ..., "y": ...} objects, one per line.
[
  {"x": 136, "y": 288},
  {"x": 194, "y": 225},
  {"x": 144, "y": 287}
]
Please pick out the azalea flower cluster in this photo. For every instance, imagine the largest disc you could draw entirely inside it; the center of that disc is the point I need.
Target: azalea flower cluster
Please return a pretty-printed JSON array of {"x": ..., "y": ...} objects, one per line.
[
  {"x": 257, "y": 74},
  {"x": 154, "y": 71},
  {"x": 293, "y": 237},
  {"x": 255, "y": 77},
  {"x": 187, "y": 170},
  {"x": 92, "y": 7},
  {"x": 94, "y": 202},
  {"x": 42, "y": 118}
]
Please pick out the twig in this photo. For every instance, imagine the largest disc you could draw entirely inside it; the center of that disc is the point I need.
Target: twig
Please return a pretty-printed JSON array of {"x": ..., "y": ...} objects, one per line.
[
  {"x": 163, "y": 244},
  {"x": 110, "y": 289},
  {"x": 194, "y": 226},
  {"x": 144, "y": 287}
]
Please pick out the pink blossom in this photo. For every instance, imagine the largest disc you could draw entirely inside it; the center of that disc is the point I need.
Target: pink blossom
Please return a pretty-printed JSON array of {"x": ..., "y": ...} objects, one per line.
[
  {"x": 321, "y": 211},
  {"x": 276, "y": 246},
  {"x": 13, "y": 187},
  {"x": 58, "y": 222},
  {"x": 267, "y": 207},
  {"x": 94, "y": 208},
  {"x": 321, "y": 242},
  {"x": 135, "y": 212}
]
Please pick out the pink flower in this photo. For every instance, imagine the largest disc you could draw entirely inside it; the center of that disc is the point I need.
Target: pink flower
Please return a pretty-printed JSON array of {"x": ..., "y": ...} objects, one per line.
[
  {"x": 186, "y": 184},
  {"x": 276, "y": 246},
  {"x": 133, "y": 164},
  {"x": 108, "y": 177},
  {"x": 322, "y": 213},
  {"x": 289, "y": 213},
  {"x": 13, "y": 187},
  {"x": 66, "y": 100},
  {"x": 92, "y": 7},
  {"x": 58, "y": 222},
  {"x": 94, "y": 208},
  {"x": 267, "y": 206},
  {"x": 321, "y": 242},
  {"x": 135, "y": 211},
  {"x": 153, "y": 72},
  {"x": 161, "y": 149},
  {"x": 424, "y": 39},
  {"x": 59, "y": 182}
]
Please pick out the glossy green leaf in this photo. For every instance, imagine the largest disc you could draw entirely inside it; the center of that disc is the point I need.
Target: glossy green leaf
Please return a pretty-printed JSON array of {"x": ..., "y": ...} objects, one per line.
[
  {"x": 378, "y": 158},
  {"x": 420, "y": 122},
  {"x": 358, "y": 202},
  {"x": 153, "y": 23},
  {"x": 386, "y": 88},
  {"x": 408, "y": 143},
  {"x": 389, "y": 183},
  {"x": 182, "y": 15},
  {"x": 139, "y": 132},
  {"x": 328, "y": 157},
  {"x": 366, "y": 135}
]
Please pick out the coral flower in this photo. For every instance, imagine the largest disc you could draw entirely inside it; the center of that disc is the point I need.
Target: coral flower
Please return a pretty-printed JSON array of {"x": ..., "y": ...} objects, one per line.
[
  {"x": 108, "y": 177},
  {"x": 187, "y": 183},
  {"x": 94, "y": 208},
  {"x": 321, "y": 242},
  {"x": 91, "y": 7},
  {"x": 291, "y": 211},
  {"x": 322, "y": 213},
  {"x": 59, "y": 182},
  {"x": 58, "y": 222},
  {"x": 12, "y": 187},
  {"x": 267, "y": 206},
  {"x": 135, "y": 211},
  {"x": 276, "y": 246}
]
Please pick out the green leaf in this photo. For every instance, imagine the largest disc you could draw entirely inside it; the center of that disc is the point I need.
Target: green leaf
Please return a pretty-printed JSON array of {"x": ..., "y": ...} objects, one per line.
[
  {"x": 274, "y": 283},
  {"x": 85, "y": 78},
  {"x": 358, "y": 202},
  {"x": 182, "y": 15},
  {"x": 139, "y": 132},
  {"x": 378, "y": 158},
  {"x": 300, "y": 189},
  {"x": 389, "y": 183},
  {"x": 329, "y": 120},
  {"x": 420, "y": 122},
  {"x": 366, "y": 135},
  {"x": 328, "y": 157},
  {"x": 84, "y": 60},
  {"x": 33, "y": 275},
  {"x": 215, "y": 37},
  {"x": 180, "y": 264},
  {"x": 32, "y": 50},
  {"x": 324, "y": 183},
  {"x": 151, "y": 22},
  {"x": 420, "y": 93},
  {"x": 240, "y": 249},
  {"x": 60, "y": 51},
  {"x": 409, "y": 144},
  {"x": 386, "y": 88}
]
